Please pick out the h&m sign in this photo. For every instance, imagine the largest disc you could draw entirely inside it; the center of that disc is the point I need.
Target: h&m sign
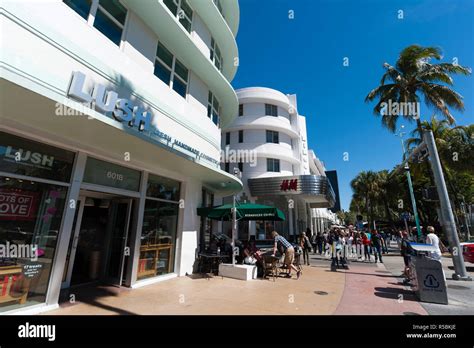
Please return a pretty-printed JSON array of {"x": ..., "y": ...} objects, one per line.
[
  {"x": 289, "y": 185},
  {"x": 122, "y": 109}
]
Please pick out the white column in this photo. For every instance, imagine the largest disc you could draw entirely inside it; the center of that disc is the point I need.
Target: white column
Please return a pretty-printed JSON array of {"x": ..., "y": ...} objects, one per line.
[
  {"x": 189, "y": 232},
  {"x": 64, "y": 237}
]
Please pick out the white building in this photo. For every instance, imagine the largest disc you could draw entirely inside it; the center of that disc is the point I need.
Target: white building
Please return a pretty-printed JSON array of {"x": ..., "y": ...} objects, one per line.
[
  {"x": 285, "y": 174},
  {"x": 110, "y": 139}
]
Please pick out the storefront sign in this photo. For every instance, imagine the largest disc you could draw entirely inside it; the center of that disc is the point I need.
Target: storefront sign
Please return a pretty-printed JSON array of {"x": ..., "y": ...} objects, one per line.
[
  {"x": 32, "y": 270},
  {"x": 31, "y": 158},
  {"x": 17, "y": 204},
  {"x": 288, "y": 185},
  {"x": 122, "y": 109},
  {"x": 110, "y": 174}
]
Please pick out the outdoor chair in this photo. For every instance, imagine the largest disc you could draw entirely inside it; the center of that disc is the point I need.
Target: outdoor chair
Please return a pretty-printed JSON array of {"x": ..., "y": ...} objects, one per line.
[{"x": 270, "y": 266}]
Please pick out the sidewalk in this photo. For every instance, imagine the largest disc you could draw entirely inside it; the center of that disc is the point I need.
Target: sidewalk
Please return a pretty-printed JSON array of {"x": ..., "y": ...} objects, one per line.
[{"x": 364, "y": 289}]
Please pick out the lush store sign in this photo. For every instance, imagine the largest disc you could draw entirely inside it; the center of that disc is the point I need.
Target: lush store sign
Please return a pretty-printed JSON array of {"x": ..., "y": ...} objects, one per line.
[{"x": 103, "y": 100}]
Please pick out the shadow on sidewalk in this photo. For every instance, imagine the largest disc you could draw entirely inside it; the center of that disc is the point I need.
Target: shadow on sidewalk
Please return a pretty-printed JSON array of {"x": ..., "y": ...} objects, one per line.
[
  {"x": 90, "y": 294},
  {"x": 396, "y": 294},
  {"x": 368, "y": 274}
]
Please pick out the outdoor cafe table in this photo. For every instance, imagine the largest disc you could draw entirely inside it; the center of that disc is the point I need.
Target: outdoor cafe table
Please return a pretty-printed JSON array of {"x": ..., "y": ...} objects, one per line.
[{"x": 213, "y": 260}]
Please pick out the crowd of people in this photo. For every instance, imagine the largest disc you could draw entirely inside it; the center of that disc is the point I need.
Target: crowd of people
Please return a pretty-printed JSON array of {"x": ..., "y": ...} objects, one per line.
[
  {"x": 350, "y": 242},
  {"x": 339, "y": 244}
]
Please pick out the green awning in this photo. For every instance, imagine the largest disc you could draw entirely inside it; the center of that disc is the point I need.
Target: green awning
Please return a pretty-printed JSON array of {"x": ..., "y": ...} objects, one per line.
[{"x": 245, "y": 211}]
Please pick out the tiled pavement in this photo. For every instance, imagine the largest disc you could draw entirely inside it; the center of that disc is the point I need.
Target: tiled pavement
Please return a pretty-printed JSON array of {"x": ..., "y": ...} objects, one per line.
[{"x": 363, "y": 289}]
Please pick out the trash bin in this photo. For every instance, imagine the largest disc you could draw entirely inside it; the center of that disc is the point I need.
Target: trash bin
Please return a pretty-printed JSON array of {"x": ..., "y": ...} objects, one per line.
[{"x": 427, "y": 274}]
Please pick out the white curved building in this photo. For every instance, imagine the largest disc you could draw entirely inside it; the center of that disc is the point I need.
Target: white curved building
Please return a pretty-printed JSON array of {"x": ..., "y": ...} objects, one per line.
[
  {"x": 110, "y": 137},
  {"x": 277, "y": 168}
]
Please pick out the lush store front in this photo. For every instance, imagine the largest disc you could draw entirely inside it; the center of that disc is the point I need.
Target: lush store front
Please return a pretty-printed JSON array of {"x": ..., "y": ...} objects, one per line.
[
  {"x": 160, "y": 221},
  {"x": 34, "y": 180}
]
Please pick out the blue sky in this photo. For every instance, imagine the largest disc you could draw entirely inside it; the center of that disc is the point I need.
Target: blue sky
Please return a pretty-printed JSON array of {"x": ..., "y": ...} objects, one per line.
[{"x": 305, "y": 55}]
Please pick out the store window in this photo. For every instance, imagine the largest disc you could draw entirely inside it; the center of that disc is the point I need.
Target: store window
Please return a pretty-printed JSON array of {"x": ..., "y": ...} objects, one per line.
[
  {"x": 213, "y": 108},
  {"x": 30, "y": 217},
  {"x": 171, "y": 71},
  {"x": 30, "y": 158},
  {"x": 271, "y": 110},
  {"x": 107, "y": 16},
  {"x": 205, "y": 230},
  {"x": 160, "y": 223},
  {"x": 30, "y": 220},
  {"x": 181, "y": 10},
  {"x": 110, "y": 174}
]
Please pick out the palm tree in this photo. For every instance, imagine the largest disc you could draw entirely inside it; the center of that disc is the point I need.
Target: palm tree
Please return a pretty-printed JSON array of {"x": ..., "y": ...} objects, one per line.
[
  {"x": 413, "y": 77},
  {"x": 440, "y": 129},
  {"x": 364, "y": 186}
]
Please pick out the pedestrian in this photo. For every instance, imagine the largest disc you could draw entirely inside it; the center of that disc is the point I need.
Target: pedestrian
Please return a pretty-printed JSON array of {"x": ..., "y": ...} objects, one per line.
[
  {"x": 313, "y": 242},
  {"x": 433, "y": 239},
  {"x": 383, "y": 240},
  {"x": 366, "y": 244},
  {"x": 377, "y": 245},
  {"x": 319, "y": 242},
  {"x": 288, "y": 251},
  {"x": 404, "y": 250},
  {"x": 305, "y": 246}
]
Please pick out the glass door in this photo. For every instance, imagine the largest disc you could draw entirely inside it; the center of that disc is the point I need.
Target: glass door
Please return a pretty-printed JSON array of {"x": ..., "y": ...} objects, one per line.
[
  {"x": 71, "y": 252},
  {"x": 120, "y": 216}
]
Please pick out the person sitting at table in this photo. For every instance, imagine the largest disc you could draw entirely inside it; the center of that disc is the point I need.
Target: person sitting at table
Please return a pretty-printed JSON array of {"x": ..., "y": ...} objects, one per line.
[
  {"x": 289, "y": 252},
  {"x": 253, "y": 255}
]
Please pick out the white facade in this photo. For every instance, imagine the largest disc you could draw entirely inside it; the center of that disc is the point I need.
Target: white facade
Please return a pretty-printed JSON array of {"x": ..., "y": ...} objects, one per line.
[
  {"x": 45, "y": 42},
  {"x": 270, "y": 126}
]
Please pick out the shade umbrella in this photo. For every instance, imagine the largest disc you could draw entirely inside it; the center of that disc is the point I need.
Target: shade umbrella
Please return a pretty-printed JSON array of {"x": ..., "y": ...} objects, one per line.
[{"x": 244, "y": 211}]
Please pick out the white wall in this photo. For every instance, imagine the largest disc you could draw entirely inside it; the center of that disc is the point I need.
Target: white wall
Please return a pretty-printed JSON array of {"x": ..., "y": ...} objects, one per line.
[
  {"x": 140, "y": 42},
  {"x": 201, "y": 35},
  {"x": 68, "y": 44}
]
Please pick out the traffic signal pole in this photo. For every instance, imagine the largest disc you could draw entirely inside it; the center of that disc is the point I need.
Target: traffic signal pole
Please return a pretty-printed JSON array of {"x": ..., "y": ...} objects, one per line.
[{"x": 446, "y": 210}]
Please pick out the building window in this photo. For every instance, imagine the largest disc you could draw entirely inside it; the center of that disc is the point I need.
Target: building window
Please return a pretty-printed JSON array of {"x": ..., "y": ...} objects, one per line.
[
  {"x": 241, "y": 136},
  {"x": 216, "y": 56},
  {"x": 227, "y": 167},
  {"x": 271, "y": 110},
  {"x": 272, "y": 137},
  {"x": 227, "y": 138},
  {"x": 181, "y": 10},
  {"x": 219, "y": 6},
  {"x": 82, "y": 7},
  {"x": 170, "y": 70},
  {"x": 273, "y": 165},
  {"x": 213, "y": 108},
  {"x": 241, "y": 166},
  {"x": 160, "y": 222},
  {"x": 107, "y": 16},
  {"x": 241, "y": 109}
]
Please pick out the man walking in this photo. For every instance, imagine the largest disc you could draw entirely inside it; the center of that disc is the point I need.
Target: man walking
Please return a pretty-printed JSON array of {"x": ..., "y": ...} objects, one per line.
[
  {"x": 288, "y": 250},
  {"x": 433, "y": 239},
  {"x": 377, "y": 245}
]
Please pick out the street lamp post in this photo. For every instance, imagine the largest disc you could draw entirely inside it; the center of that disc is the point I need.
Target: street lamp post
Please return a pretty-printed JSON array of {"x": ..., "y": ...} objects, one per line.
[
  {"x": 445, "y": 208},
  {"x": 410, "y": 187}
]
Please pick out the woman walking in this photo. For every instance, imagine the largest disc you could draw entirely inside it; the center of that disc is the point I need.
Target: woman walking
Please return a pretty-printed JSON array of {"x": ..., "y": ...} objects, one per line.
[{"x": 366, "y": 243}]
